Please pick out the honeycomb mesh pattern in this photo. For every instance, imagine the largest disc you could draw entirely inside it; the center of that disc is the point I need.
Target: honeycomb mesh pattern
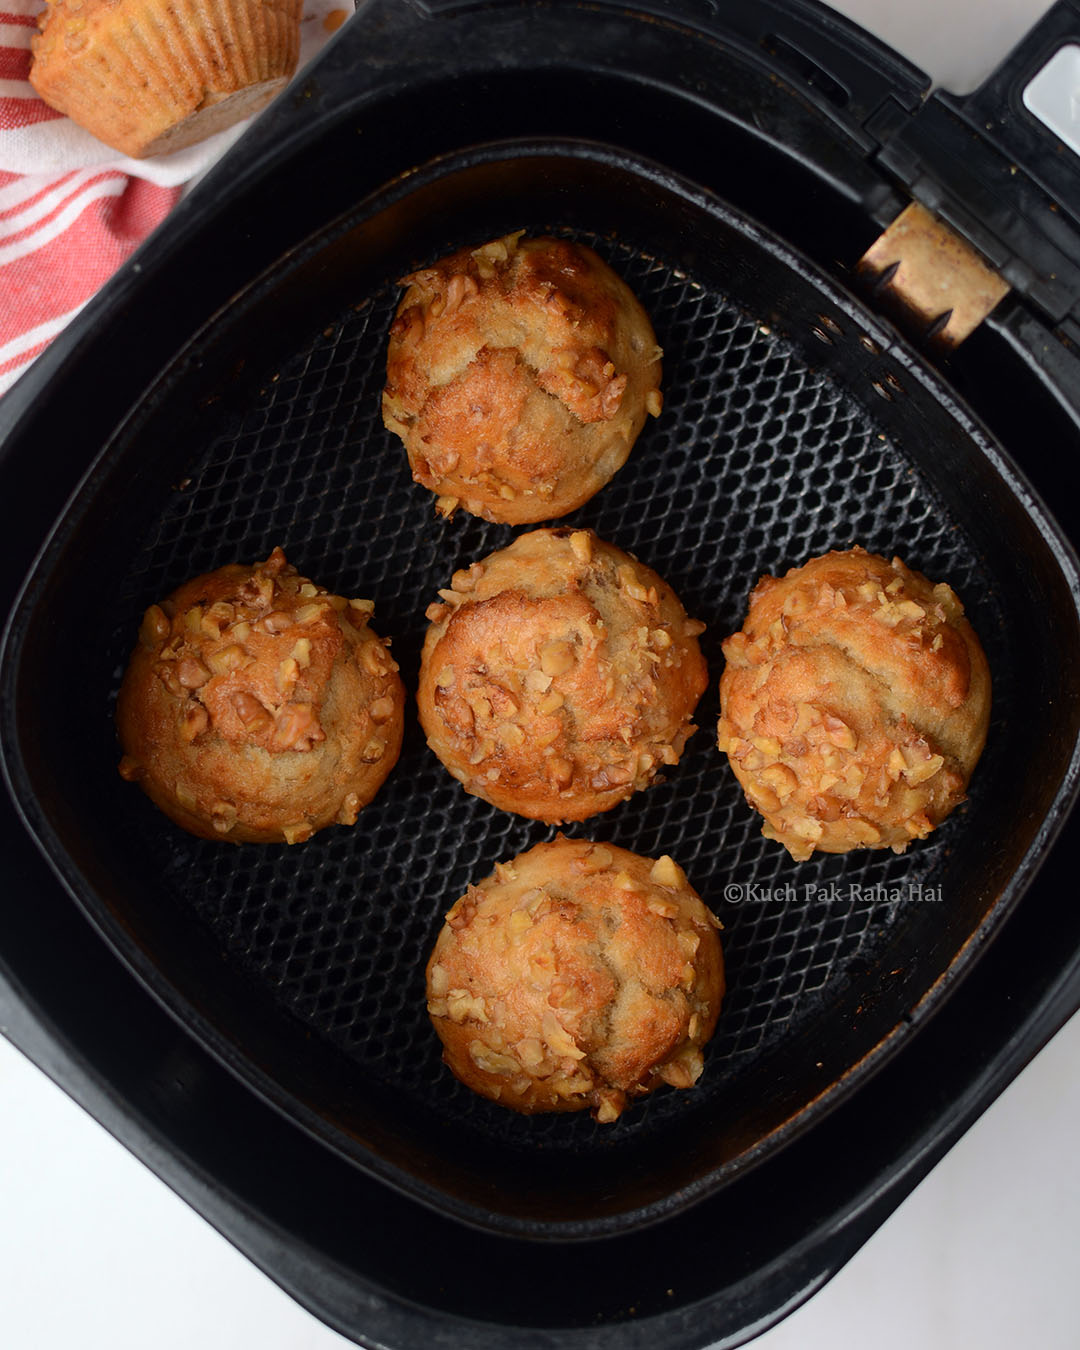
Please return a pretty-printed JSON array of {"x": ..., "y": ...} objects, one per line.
[{"x": 757, "y": 463}]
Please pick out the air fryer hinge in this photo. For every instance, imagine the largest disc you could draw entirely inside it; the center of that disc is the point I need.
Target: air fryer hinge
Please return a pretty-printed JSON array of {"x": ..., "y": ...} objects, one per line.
[{"x": 932, "y": 276}]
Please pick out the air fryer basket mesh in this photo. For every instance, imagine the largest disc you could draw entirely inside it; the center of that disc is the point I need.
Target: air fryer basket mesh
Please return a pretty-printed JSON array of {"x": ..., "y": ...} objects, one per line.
[{"x": 758, "y": 462}]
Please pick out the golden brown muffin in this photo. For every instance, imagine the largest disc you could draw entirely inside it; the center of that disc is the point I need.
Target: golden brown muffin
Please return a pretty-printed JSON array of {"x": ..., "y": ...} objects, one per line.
[
  {"x": 257, "y": 707},
  {"x": 519, "y": 375},
  {"x": 578, "y": 975},
  {"x": 558, "y": 676},
  {"x": 854, "y": 705},
  {"x": 152, "y": 76}
]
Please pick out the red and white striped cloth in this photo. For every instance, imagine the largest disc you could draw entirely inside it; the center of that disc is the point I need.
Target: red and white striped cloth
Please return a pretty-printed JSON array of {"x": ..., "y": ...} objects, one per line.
[{"x": 72, "y": 209}]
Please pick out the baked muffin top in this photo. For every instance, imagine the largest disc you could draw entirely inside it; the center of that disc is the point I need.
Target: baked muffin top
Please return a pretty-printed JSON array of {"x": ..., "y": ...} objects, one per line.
[
  {"x": 558, "y": 676},
  {"x": 518, "y": 376},
  {"x": 855, "y": 703},
  {"x": 578, "y": 975},
  {"x": 258, "y": 706}
]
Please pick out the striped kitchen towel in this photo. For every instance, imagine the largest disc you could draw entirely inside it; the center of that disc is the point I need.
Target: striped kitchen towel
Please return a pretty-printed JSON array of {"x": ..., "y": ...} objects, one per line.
[{"x": 72, "y": 209}]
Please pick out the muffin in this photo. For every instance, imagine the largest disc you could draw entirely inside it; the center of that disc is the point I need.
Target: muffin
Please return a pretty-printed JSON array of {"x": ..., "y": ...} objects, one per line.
[
  {"x": 518, "y": 376},
  {"x": 559, "y": 676},
  {"x": 257, "y": 707},
  {"x": 854, "y": 704},
  {"x": 152, "y": 76},
  {"x": 576, "y": 976}
]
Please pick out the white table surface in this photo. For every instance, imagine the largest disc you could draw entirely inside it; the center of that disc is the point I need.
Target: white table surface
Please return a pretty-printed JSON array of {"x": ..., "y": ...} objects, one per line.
[{"x": 96, "y": 1253}]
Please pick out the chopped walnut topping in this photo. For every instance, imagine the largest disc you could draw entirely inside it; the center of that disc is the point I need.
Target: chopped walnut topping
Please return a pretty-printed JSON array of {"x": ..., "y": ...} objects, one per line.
[
  {"x": 551, "y": 703},
  {"x": 684, "y": 1071},
  {"x": 595, "y": 860},
  {"x": 557, "y": 1037},
  {"x": 666, "y": 909},
  {"x": 560, "y": 771},
  {"x": 130, "y": 769},
  {"x": 218, "y": 616},
  {"x": 258, "y": 590},
  {"x": 581, "y": 543},
  {"x": 251, "y": 712},
  {"x": 461, "y": 1006},
  {"x": 155, "y": 627},
  {"x": 375, "y": 658},
  {"x": 492, "y": 1061},
  {"x": 194, "y": 720},
  {"x": 382, "y": 709},
  {"x": 556, "y": 658},
  {"x": 297, "y": 833},
  {"x": 349, "y": 810},
  {"x": 223, "y": 816},
  {"x": 839, "y": 733},
  {"x": 667, "y": 872},
  {"x": 191, "y": 673},
  {"x": 780, "y": 778},
  {"x": 919, "y": 766},
  {"x": 297, "y": 728},
  {"x": 226, "y": 659},
  {"x": 530, "y": 1052},
  {"x": 518, "y": 924},
  {"x": 629, "y": 582}
]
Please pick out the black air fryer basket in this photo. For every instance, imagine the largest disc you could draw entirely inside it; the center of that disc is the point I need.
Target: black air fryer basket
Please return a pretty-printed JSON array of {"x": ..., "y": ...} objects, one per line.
[{"x": 258, "y": 1031}]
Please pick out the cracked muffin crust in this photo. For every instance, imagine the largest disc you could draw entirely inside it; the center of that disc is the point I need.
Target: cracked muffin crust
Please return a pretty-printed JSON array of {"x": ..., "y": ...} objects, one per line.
[
  {"x": 257, "y": 707},
  {"x": 854, "y": 704},
  {"x": 518, "y": 376},
  {"x": 559, "y": 675},
  {"x": 576, "y": 976}
]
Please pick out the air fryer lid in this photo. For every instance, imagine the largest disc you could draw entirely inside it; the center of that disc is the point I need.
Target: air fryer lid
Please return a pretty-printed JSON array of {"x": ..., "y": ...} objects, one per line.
[{"x": 303, "y": 968}]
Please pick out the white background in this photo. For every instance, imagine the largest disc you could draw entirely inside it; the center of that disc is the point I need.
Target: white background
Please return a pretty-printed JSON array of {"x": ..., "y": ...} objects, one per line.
[{"x": 95, "y": 1252}]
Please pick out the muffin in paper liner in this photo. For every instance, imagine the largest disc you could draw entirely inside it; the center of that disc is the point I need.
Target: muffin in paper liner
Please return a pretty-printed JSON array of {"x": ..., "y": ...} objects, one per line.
[{"x": 151, "y": 76}]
